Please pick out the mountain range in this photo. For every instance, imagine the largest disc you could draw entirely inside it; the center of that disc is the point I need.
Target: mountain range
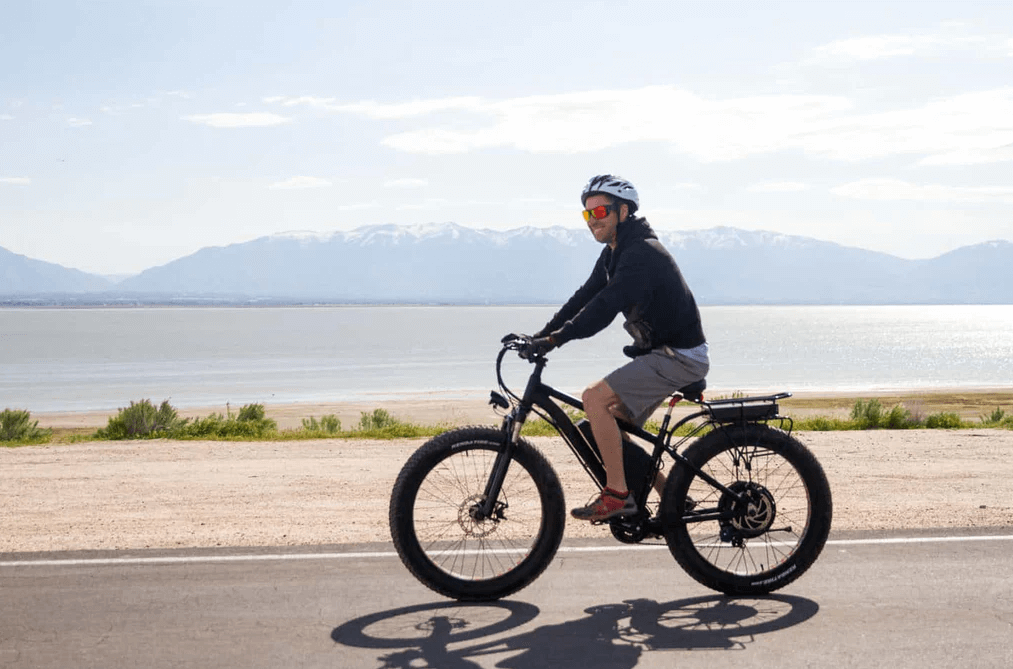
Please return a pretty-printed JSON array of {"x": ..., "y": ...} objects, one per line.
[{"x": 449, "y": 263}]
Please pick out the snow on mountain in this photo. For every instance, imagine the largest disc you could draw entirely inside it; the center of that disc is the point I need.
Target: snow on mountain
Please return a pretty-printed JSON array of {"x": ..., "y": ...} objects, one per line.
[
  {"x": 450, "y": 263},
  {"x": 413, "y": 234}
]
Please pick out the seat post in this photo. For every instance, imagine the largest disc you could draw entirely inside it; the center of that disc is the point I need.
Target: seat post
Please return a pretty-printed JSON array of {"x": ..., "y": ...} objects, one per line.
[{"x": 668, "y": 414}]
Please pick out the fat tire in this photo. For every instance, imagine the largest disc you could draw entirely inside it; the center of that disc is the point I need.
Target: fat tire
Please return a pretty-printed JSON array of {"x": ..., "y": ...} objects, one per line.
[
  {"x": 796, "y": 483},
  {"x": 467, "y": 455}
]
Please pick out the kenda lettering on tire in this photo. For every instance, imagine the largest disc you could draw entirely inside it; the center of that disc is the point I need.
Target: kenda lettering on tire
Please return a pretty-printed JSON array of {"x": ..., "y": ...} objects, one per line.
[{"x": 775, "y": 579}]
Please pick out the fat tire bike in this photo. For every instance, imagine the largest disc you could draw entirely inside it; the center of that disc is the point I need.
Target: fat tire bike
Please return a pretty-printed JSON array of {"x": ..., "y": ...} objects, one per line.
[{"x": 477, "y": 513}]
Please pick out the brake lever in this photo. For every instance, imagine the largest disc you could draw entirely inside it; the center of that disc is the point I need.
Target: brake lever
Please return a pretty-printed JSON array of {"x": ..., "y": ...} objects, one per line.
[{"x": 523, "y": 345}]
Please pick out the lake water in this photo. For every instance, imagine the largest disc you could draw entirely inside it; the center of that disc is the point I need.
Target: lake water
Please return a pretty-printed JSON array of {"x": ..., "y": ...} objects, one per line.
[{"x": 101, "y": 359}]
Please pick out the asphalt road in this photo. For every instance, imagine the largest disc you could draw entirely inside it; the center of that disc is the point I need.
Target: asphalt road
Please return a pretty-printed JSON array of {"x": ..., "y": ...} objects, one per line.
[{"x": 928, "y": 600}]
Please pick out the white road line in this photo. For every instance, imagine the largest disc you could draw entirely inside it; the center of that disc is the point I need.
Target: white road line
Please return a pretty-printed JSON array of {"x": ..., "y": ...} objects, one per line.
[{"x": 282, "y": 557}]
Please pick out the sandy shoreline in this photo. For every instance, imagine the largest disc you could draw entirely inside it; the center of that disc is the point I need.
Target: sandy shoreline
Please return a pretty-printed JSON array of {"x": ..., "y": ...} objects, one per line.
[
  {"x": 170, "y": 494},
  {"x": 452, "y": 409}
]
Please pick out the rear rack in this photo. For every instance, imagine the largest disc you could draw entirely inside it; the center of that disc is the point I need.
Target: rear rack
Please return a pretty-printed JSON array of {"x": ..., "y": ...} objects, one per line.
[{"x": 744, "y": 409}]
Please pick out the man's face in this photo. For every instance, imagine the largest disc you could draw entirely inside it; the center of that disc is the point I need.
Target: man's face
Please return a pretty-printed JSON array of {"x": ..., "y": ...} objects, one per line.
[{"x": 603, "y": 229}]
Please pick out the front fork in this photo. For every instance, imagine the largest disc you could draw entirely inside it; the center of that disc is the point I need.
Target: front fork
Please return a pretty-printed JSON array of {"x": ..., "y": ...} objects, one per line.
[{"x": 489, "y": 507}]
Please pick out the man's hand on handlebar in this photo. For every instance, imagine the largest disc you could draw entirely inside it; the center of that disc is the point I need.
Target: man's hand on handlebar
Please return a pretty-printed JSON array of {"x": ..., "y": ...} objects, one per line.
[
  {"x": 539, "y": 346},
  {"x": 530, "y": 347}
]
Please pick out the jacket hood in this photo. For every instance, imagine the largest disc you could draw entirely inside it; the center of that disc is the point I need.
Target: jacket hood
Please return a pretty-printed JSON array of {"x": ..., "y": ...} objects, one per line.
[{"x": 634, "y": 228}]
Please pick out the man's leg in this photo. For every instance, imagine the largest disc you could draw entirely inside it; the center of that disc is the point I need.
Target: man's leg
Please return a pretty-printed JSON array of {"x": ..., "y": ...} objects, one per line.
[
  {"x": 596, "y": 397},
  {"x": 602, "y": 405}
]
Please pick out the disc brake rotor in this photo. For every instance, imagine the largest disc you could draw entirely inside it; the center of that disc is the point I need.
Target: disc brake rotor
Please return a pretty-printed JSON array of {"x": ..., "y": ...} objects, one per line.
[{"x": 468, "y": 519}]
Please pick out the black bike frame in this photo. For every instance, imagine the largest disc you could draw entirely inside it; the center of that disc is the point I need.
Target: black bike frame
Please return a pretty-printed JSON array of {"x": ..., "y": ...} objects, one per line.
[{"x": 538, "y": 394}]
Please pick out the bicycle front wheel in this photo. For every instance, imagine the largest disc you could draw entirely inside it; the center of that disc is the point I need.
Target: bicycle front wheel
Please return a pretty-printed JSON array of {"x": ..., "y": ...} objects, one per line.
[
  {"x": 454, "y": 550},
  {"x": 765, "y": 541}
]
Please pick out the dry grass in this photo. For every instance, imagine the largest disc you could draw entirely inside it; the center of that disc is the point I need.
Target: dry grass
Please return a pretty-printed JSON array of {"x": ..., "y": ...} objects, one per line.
[{"x": 969, "y": 405}]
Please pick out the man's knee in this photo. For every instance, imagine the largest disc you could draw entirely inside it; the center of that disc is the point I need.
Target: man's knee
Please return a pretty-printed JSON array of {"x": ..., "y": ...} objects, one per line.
[{"x": 600, "y": 396}]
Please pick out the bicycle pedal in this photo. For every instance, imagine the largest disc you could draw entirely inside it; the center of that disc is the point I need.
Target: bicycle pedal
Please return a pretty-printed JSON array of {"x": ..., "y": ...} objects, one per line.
[{"x": 654, "y": 528}]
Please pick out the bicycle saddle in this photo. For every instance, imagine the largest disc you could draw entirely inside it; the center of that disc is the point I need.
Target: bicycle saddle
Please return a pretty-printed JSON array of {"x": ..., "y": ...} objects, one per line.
[{"x": 694, "y": 391}]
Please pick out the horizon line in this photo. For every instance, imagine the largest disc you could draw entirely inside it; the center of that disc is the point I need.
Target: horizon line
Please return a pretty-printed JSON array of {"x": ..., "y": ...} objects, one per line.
[{"x": 323, "y": 235}]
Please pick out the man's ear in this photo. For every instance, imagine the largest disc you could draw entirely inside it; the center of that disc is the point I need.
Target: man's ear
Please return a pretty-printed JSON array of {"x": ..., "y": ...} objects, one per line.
[{"x": 624, "y": 211}]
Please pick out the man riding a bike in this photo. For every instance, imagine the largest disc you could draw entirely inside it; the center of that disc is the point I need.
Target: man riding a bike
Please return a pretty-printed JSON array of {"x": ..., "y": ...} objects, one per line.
[
  {"x": 478, "y": 513},
  {"x": 637, "y": 276}
]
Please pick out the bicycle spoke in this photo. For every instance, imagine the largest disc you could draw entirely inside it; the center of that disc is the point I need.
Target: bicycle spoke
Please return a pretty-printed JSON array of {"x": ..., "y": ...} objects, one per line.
[
  {"x": 462, "y": 546},
  {"x": 753, "y": 469}
]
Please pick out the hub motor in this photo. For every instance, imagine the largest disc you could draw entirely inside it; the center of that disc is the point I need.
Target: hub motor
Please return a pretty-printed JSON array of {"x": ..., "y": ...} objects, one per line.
[{"x": 752, "y": 518}]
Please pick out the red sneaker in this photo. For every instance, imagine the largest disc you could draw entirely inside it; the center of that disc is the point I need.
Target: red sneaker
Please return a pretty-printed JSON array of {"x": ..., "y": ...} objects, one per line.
[{"x": 608, "y": 504}]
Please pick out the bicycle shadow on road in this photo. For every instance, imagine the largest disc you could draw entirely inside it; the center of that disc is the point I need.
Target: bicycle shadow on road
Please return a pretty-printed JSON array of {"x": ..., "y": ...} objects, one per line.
[{"x": 609, "y": 635}]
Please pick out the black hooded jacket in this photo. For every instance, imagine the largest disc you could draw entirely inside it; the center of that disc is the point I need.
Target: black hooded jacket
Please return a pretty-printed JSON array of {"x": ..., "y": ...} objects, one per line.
[{"x": 640, "y": 279}]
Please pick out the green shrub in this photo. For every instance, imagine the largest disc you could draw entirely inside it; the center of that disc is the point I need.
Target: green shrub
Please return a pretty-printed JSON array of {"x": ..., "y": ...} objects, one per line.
[
  {"x": 943, "y": 421},
  {"x": 994, "y": 418},
  {"x": 380, "y": 424},
  {"x": 329, "y": 424},
  {"x": 867, "y": 414},
  {"x": 141, "y": 420},
  {"x": 209, "y": 427},
  {"x": 871, "y": 415},
  {"x": 538, "y": 428},
  {"x": 251, "y": 423},
  {"x": 17, "y": 425},
  {"x": 252, "y": 412},
  {"x": 899, "y": 418},
  {"x": 822, "y": 424},
  {"x": 378, "y": 420}
]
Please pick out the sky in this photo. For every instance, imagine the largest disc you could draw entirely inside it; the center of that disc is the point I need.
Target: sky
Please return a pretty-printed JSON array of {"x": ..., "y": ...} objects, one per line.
[{"x": 135, "y": 132}]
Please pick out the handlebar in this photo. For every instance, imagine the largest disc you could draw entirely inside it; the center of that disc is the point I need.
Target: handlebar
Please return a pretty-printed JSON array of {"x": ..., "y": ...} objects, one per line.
[{"x": 520, "y": 343}]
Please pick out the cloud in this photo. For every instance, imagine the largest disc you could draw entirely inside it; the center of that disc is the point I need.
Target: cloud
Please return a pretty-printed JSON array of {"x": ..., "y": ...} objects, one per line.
[
  {"x": 971, "y": 156},
  {"x": 894, "y": 189},
  {"x": 227, "y": 120},
  {"x": 593, "y": 120},
  {"x": 879, "y": 47},
  {"x": 154, "y": 100},
  {"x": 778, "y": 187},
  {"x": 377, "y": 110},
  {"x": 6, "y": 117},
  {"x": 78, "y": 122},
  {"x": 15, "y": 181},
  {"x": 301, "y": 182},
  {"x": 962, "y": 129},
  {"x": 407, "y": 183},
  {"x": 121, "y": 108},
  {"x": 444, "y": 203}
]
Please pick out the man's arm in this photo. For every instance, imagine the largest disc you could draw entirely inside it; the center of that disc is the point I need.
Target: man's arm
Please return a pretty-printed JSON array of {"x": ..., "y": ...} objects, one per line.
[
  {"x": 594, "y": 284},
  {"x": 628, "y": 286}
]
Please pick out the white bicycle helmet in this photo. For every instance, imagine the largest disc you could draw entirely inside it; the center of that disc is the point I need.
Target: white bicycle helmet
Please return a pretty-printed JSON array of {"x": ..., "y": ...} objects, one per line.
[{"x": 614, "y": 186}]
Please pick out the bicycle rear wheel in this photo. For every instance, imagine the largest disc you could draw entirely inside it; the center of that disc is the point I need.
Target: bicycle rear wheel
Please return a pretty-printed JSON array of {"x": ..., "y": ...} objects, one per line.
[
  {"x": 434, "y": 525},
  {"x": 764, "y": 544}
]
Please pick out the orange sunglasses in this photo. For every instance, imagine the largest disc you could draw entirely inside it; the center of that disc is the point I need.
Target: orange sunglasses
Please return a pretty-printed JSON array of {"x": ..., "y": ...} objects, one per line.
[{"x": 599, "y": 212}]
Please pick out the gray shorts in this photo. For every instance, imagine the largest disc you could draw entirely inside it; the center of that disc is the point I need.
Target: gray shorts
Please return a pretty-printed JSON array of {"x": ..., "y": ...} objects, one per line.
[{"x": 643, "y": 383}]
